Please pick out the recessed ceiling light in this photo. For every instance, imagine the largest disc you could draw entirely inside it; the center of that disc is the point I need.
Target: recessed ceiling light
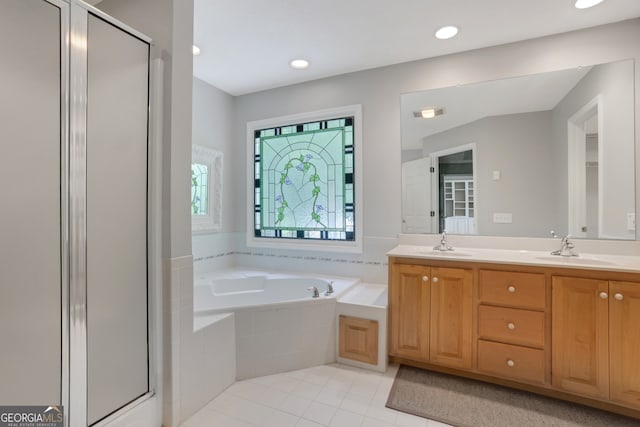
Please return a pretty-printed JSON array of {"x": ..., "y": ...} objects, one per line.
[
  {"x": 584, "y": 4},
  {"x": 299, "y": 64},
  {"x": 196, "y": 50},
  {"x": 446, "y": 32}
]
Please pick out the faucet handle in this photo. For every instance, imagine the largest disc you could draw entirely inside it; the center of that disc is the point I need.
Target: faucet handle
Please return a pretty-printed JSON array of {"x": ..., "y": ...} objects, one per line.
[
  {"x": 316, "y": 293},
  {"x": 553, "y": 234},
  {"x": 329, "y": 290}
]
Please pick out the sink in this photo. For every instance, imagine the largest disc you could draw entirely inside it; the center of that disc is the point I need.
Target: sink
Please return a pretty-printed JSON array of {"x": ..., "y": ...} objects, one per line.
[{"x": 576, "y": 260}]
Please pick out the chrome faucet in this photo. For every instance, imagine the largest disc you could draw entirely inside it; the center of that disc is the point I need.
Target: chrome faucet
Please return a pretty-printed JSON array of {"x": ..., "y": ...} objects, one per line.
[
  {"x": 316, "y": 293},
  {"x": 443, "y": 246},
  {"x": 329, "y": 290},
  {"x": 566, "y": 247}
]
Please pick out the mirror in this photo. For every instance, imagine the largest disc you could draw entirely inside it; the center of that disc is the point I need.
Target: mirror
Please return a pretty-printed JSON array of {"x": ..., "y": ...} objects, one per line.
[{"x": 522, "y": 156}]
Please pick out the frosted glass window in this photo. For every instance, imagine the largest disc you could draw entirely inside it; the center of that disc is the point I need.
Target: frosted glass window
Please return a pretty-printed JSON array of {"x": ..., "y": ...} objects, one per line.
[
  {"x": 199, "y": 189},
  {"x": 304, "y": 181}
]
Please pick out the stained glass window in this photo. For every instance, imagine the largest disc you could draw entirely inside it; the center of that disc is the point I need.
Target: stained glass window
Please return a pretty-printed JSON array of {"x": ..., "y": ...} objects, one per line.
[
  {"x": 304, "y": 181},
  {"x": 199, "y": 190}
]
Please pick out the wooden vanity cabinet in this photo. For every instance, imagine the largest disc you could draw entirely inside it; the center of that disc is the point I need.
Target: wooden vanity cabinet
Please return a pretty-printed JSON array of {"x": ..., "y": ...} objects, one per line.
[
  {"x": 568, "y": 333},
  {"x": 596, "y": 338},
  {"x": 431, "y": 314}
]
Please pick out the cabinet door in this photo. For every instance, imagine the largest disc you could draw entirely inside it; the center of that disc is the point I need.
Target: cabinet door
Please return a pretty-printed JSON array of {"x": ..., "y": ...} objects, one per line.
[
  {"x": 451, "y": 317},
  {"x": 409, "y": 308},
  {"x": 580, "y": 336},
  {"x": 624, "y": 342}
]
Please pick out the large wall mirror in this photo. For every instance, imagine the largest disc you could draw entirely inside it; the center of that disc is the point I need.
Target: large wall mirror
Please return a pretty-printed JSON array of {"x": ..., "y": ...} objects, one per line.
[{"x": 522, "y": 156}]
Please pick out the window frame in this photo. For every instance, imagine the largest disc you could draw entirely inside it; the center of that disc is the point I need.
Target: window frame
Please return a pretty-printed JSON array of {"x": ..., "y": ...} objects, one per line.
[
  {"x": 213, "y": 159},
  {"x": 353, "y": 246}
]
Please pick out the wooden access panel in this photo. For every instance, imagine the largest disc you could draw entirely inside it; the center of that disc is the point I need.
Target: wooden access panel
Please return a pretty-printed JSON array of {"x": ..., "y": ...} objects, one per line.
[{"x": 358, "y": 339}]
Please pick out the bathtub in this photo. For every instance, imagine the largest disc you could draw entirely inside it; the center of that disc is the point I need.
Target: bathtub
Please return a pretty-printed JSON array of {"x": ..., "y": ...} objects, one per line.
[
  {"x": 279, "y": 326},
  {"x": 232, "y": 290}
]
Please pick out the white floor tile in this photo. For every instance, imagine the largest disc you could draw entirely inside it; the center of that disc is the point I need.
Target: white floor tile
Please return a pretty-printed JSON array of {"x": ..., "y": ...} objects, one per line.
[
  {"x": 272, "y": 398},
  {"x": 280, "y": 419},
  {"x": 307, "y": 423},
  {"x": 372, "y": 422},
  {"x": 331, "y": 397},
  {"x": 295, "y": 405},
  {"x": 382, "y": 414},
  {"x": 344, "y": 418},
  {"x": 319, "y": 413},
  {"x": 328, "y": 395},
  {"x": 408, "y": 420},
  {"x": 355, "y": 403}
]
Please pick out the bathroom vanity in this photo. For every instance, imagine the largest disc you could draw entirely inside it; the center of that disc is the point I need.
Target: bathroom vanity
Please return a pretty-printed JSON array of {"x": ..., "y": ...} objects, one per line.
[{"x": 565, "y": 327}]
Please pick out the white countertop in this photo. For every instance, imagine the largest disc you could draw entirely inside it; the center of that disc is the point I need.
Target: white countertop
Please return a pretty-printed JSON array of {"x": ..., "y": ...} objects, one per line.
[{"x": 625, "y": 263}]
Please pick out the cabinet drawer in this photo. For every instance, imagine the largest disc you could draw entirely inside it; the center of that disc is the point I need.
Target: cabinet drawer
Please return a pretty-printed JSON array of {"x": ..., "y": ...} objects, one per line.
[
  {"x": 511, "y": 325},
  {"x": 511, "y": 361},
  {"x": 525, "y": 290}
]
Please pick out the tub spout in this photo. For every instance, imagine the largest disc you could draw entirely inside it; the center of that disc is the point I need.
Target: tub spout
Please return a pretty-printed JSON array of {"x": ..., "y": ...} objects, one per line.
[
  {"x": 329, "y": 290},
  {"x": 316, "y": 293}
]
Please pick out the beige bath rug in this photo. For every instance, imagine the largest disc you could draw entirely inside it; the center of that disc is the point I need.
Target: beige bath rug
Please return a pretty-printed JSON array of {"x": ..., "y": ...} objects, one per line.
[{"x": 464, "y": 402}]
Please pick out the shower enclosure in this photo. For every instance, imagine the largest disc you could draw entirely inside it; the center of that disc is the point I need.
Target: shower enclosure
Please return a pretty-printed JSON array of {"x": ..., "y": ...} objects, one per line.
[{"x": 74, "y": 311}]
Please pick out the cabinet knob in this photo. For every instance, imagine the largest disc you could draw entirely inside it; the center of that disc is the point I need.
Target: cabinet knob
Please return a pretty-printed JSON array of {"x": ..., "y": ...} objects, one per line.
[
  {"x": 511, "y": 288},
  {"x": 425, "y": 278},
  {"x": 619, "y": 297},
  {"x": 511, "y": 326},
  {"x": 511, "y": 363},
  {"x": 435, "y": 280},
  {"x": 603, "y": 295}
]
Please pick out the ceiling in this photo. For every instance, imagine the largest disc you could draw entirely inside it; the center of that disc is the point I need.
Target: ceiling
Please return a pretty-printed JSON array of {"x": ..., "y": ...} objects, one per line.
[{"x": 247, "y": 44}]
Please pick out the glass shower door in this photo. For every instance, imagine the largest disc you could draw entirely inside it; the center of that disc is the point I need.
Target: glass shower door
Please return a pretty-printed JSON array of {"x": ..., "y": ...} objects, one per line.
[{"x": 31, "y": 257}]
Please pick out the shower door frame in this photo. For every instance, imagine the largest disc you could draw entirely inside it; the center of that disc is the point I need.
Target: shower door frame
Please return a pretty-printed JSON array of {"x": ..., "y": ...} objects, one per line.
[{"x": 74, "y": 16}]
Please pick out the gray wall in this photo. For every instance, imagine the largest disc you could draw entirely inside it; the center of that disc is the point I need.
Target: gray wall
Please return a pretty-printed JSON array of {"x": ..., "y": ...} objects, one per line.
[
  {"x": 379, "y": 92},
  {"x": 212, "y": 127},
  {"x": 519, "y": 146},
  {"x": 611, "y": 81}
]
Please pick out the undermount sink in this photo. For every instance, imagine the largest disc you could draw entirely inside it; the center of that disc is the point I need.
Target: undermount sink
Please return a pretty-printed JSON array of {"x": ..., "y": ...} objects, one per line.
[
  {"x": 446, "y": 253},
  {"x": 575, "y": 260}
]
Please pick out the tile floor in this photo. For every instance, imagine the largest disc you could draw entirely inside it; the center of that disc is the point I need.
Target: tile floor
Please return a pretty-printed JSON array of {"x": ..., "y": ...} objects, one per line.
[{"x": 328, "y": 395}]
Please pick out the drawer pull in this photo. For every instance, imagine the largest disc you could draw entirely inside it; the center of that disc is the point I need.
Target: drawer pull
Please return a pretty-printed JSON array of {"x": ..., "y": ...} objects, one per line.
[
  {"x": 511, "y": 326},
  {"x": 435, "y": 280},
  {"x": 619, "y": 297},
  {"x": 511, "y": 289},
  {"x": 511, "y": 363},
  {"x": 425, "y": 278},
  {"x": 603, "y": 295}
]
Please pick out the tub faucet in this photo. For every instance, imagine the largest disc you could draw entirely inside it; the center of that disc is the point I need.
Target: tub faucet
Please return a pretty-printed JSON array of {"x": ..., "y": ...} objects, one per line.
[
  {"x": 443, "y": 246},
  {"x": 566, "y": 247},
  {"x": 329, "y": 290},
  {"x": 316, "y": 293}
]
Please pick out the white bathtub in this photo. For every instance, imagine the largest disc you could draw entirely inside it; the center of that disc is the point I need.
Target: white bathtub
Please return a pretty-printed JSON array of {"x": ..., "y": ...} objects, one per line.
[
  {"x": 235, "y": 289},
  {"x": 279, "y": 325}
]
